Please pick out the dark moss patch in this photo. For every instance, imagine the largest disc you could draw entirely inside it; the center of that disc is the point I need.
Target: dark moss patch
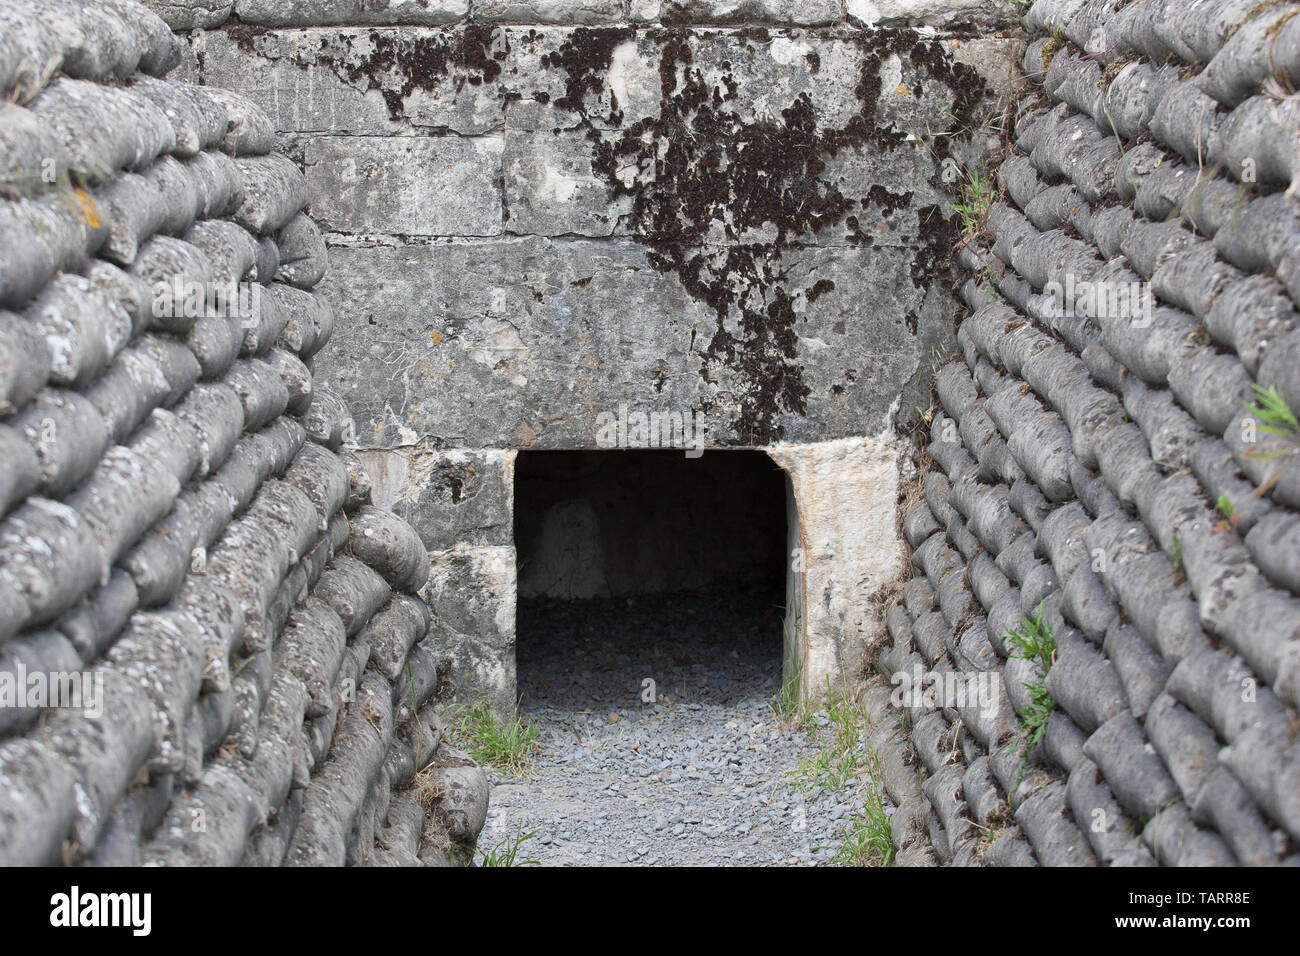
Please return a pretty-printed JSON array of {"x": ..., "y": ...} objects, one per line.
[
  {"x": 400, "y": 62},
  {"x": 819, "y": 289},
  {"x": 933, "y": 260},
  {"x": 719, "y": 198},
  {"x": 889, "y": 203},
  {"x": 584, "y": 57},
  {"x": 244, "y": 34}
]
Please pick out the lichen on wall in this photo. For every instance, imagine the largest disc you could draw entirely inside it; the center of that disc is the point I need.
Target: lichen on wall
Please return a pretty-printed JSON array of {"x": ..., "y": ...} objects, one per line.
[{"x": 746, "y": 221}]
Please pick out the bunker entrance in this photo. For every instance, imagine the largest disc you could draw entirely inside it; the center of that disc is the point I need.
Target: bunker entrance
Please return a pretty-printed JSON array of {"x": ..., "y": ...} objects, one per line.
[{"x": 645, "y": 574}]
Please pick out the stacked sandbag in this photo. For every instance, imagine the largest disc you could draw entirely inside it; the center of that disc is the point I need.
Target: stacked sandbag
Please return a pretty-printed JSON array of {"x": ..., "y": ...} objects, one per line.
[
  {"x": 182, "y": 523},
  {"x": 1101, "y": 473}
]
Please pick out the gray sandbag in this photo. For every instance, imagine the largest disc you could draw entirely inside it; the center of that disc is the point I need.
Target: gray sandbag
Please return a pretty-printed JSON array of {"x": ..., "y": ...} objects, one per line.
[
  {"x": 464, "y": 794},
  {"x": 231, "y": 251},
  {"x": 353, "y": 590},
  {"x": 68, "y": 435},
  {"x": 179, "y": 278},
  {"x": 275, "y": 190},
  {"x": 310, "y": 319},
  {"x": 261, "y": 391},
  {"x": 164, "y": 198},
  {"x": 303, "y": 257},
  {"x": 218, "y": 182},
  {"x": 215, "y": 341},
  {"x": 21, "y": 474},
  {"x": 95, "y": 621},
  {"x": 123, "y": 498},
  {"x": 179, "y": 108},
  {"x": 82, "y": 326},
  {"x": 38, "y": 801},
  {"x": 104, "y": 128},
  {"x": 170, "y": 441},
  {"x": 263, "y": 323},
  {"x": 107, "y": 751},
  {"x": 217, "y": 415},
  {"x": 328, "y": 421},
  {"x": 340, "y": 788},
  {"x": 296, "y": 377},
  {"x": 249, "y": 131},
  {"x": 390, "y": 546},
  {"x": 24, "y": 362},
  {"x": 311, "y": 648},
  {"x": 53, "y": 233},
  {"x": 43, "y": 667}
]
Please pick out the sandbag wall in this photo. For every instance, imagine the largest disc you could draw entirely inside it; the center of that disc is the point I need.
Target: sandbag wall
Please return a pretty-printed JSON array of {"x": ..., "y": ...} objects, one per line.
[
  {"x": 182, "y": 524},
  {"x": 1104, "y": 466}
]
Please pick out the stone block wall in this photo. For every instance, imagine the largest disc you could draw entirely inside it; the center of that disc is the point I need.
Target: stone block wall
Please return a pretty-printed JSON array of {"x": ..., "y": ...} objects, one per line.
[
  {"x": 538, "y": 213},
  {"x": 526, "y": 232}
]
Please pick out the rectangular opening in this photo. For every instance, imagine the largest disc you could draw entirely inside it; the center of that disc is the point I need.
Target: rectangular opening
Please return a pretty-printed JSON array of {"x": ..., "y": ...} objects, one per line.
[{"x": 647, "y": 565}]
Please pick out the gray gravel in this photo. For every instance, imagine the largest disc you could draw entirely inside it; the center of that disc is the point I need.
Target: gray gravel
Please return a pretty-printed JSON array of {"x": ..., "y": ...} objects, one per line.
[{"x": 698, "y": 777}]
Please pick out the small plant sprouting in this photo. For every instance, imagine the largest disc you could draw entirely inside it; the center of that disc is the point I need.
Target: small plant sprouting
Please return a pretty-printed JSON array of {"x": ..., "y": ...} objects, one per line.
[
  {"x": 988, "y": 284},
  {"x": 1035, "y": 642},
  {"x": 1231, "y": 519},
  {"x": 1271, "y": 409},
  {"x": 841, "y": 754},
  {"x": 1123, "y": 155},
  {"x": 1275, "y": 418},
  {"x": 506, "y": 853},
  {"x": 973, "y": 205},
  {"x": 868, "y": 838},
  {"x": 1180, "y": 570},
  {"x": 508, "y": 746},
  {"x": 788, "y": 705}
]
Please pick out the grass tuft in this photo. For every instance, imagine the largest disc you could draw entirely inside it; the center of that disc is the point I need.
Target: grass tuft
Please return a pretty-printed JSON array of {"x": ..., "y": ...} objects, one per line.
[
  {"x": 506, "y": 853},
  {"x": 973, "y": 204},
  {"x": 1034, "y": 641},
  {"x": 841, "y": 753},
  {"x": 868, "y": 838},
  {"x": 1274, "y": 414},
  {"x": 788, "y": 706},
  {"x": 508, "y": 746}
]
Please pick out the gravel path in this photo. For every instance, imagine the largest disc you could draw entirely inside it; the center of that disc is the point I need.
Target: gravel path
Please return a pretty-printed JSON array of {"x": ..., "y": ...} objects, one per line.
[{"x": 698, "y": 777}]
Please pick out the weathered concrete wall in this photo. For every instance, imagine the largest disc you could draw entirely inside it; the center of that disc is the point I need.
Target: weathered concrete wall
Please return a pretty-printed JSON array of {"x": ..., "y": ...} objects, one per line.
[
  {"x": 541, "y": 213},
  {"x": 846, "y": 552},
  {"x": 531, "y": 224}
]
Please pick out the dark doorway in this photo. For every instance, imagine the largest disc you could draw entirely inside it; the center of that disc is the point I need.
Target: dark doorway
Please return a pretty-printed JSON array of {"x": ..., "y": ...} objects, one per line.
[{"x": 638, "y": 565}]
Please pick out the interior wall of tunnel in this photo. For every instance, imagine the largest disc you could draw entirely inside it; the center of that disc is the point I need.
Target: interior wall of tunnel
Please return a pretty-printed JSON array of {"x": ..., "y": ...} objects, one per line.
[
  {"x": 629, "y": 523},
  {"x": 646, "y": 526}
]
